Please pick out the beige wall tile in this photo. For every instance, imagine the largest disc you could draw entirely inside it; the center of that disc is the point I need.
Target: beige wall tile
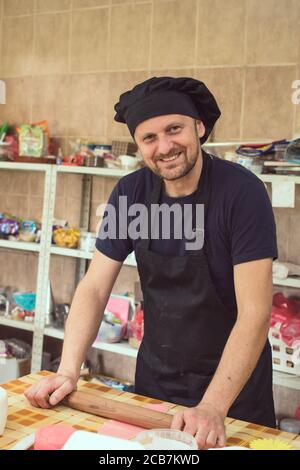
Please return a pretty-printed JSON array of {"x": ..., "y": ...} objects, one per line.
[
  {"x": 18, "y": 183},
  {"x": 18, "y": 40},
  {"x": 173, "y": 73},
  {"x": 18, "y": 7},
  {"x": 268, "y": 110},
  {"x": 226, "y": 84},
  {"x": 125, "y": 281},
  {"x": 109, "y": 184},
  {"x": 72, "y": 212},
  {"x": 16, "y": 270},
  {"x": 14, "y": 182},
  {"x": 73, "y": 185},
  {"x": 50, "y": 101},
  {"x": 282, "y": 228},
  {"x": 293, "y": 237},
  {"x": 6, "y": 184},
  {"x": 17, "y": 205},
  {"x": 89, "y": 45},
  {"x": 272, "y": 31},
  {"x": 68, "y": 279},
  {"x": 221, "y": 32},
  {"x": 31, "y": 267},
  {"x": 95, "y": 220},
  {"x": 35, "y": 211},
  {"x": 98, "y": 187},
  {"x": 52, "y": 43},
  {"x": 130, "y": 26},
  {"x": 174, "y": 45},
  {"x": 61, "y": 184},
  {"x": 115, "y": 2},
  {"x": 120, "y": 82},
  {"x": 88, "y": 104},
  {"x": 60, "y": 210},
  {"x": 36, "y": 184},
  {"x": 17, "y": 109},
  {"x": 90, "y": 3},
  {"x": 56, "y": 267},
  {"x": 53, "y": 5}
]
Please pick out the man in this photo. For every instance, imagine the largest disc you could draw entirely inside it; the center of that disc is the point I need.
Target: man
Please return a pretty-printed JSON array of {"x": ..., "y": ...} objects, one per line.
[{"x": 207, "y": 303}]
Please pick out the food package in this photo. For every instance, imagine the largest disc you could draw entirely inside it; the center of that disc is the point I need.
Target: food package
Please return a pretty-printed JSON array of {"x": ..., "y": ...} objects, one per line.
[
  {"x": 33, "y": 139},
  {"x": 135, "y": 329},
  {"x": 9, "y": 225},
  {"x": 66, "y": 237}
]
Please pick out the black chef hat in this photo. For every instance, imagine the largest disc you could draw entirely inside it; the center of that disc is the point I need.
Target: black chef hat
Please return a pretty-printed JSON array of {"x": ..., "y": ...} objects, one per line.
[{"x": 158, "y": 96}]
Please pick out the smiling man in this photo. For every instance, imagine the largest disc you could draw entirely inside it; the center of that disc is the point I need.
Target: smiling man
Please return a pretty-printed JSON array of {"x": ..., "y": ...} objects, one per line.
[{"x": 207, "y": 306}]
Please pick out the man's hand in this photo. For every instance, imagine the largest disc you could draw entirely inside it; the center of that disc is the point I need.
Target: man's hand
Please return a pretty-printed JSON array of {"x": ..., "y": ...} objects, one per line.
[
  {"x": 204, "y": 422},
  {"x": 50, "y": 391}
]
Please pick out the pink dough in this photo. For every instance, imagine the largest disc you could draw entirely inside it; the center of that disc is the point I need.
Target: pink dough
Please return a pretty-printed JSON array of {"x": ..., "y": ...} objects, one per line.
[
  {"x": 117, "y": 429},
  {"x": 52, "y": 437}
]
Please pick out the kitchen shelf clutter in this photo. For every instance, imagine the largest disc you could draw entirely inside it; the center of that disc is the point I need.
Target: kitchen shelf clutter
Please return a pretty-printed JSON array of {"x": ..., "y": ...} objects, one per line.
[{"x": 44, "y": 250}]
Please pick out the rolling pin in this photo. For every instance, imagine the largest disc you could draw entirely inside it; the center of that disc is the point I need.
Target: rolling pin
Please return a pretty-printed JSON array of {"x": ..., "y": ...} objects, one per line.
[{"x": 113, "y": 409}]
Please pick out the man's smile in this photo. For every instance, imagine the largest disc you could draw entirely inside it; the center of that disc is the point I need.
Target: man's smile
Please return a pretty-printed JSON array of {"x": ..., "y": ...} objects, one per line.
[{"x": 169, "y": 159}]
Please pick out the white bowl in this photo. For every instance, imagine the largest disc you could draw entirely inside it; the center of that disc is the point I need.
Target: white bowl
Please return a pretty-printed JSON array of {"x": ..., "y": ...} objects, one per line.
[{"x": 166, "y": 439}]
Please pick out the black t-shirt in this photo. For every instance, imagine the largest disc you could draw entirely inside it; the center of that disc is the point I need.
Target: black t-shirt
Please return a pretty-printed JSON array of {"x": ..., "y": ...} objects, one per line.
[{"x": 239, "y": 225}]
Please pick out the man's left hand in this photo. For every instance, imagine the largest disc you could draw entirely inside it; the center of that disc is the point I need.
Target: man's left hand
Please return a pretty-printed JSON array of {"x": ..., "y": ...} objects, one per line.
[{"x": 204, "y": 422}]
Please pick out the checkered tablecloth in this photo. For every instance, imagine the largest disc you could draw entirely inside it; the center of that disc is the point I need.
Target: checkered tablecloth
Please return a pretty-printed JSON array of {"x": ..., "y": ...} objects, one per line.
[{"x": 24, "y": 419}]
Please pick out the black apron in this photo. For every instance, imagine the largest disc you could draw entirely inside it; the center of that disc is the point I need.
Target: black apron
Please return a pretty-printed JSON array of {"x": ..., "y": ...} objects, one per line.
[{"x": 186, "y": 327}]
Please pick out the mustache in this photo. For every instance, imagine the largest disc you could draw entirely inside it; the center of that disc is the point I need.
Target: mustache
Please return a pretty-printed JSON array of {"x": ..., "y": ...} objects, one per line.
[{"x": 170, "y": 154}]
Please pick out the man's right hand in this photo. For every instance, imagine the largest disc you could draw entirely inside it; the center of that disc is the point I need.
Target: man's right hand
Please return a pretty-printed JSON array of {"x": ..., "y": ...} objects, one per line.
[{"x": 50, "y": 390}]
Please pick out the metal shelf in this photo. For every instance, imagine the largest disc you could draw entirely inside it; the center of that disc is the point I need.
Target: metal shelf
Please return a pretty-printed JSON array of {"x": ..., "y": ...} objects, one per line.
[
  {"x": 22, "y": 325},
  {"x": 279, "y": 178},
  {"x": 286, "y": 380},
  {"x": 24, "y": 166},
  {"x": 83, "y": 170},
  {"x": 75, "y": 253},
  {"x": 45, "y": 250},
  {"x": 23, "y": 246},
  {"x": 118, "y": 348},
  {"x": 288, "y": 282}
]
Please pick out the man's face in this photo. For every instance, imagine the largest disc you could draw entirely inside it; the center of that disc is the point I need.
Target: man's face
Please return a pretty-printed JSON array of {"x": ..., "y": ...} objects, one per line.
[{"x": 170, "y": 144}]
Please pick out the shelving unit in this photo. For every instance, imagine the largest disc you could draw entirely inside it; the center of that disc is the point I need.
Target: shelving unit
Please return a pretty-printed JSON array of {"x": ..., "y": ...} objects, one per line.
[
  {"x": 22, "y": 325},
  {"x": 45, "y": 250},
  {"x": 118, "y": 348},
  {"x": 288, "y": 282}
]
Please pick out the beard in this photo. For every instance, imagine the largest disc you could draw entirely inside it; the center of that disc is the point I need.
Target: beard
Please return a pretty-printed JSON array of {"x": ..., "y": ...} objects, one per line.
[
  {"x": 180, "y": 168},
  {"x": 177, "y": 170}
]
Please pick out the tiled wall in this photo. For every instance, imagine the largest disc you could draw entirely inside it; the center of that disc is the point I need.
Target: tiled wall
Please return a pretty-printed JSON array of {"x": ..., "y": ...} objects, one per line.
[{"x": 67, "y": 61}]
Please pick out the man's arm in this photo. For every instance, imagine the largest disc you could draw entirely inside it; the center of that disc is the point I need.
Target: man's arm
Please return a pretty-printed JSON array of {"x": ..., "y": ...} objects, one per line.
[
  {"x": 83, "y": 323},
  {"x": 253, "y": 288}
]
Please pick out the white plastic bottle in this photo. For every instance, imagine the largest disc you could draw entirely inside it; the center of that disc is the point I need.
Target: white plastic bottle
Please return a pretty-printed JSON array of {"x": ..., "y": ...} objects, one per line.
[{"x": 3, "y": 409}]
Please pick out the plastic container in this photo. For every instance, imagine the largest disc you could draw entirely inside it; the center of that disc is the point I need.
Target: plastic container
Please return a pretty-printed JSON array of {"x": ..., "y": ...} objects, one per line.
[
  {"x": 25, "y": 300},
  {"x": 128, "y": 162},
  {"x": 166, "y": 439},
  {"x": 110, "y": 333},
  {"x": 290, "y": 425},
  {"x": 87, "y": 241},
  {"x": 285, "y": 358}
]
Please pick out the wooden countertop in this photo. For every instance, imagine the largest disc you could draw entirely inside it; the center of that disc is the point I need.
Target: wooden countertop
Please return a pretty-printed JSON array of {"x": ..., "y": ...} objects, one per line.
[{"x": 23, "y": 419}]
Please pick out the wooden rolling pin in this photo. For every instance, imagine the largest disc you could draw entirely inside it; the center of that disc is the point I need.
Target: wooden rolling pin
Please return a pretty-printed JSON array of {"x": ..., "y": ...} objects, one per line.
[{"x": 113, "y": 409}]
